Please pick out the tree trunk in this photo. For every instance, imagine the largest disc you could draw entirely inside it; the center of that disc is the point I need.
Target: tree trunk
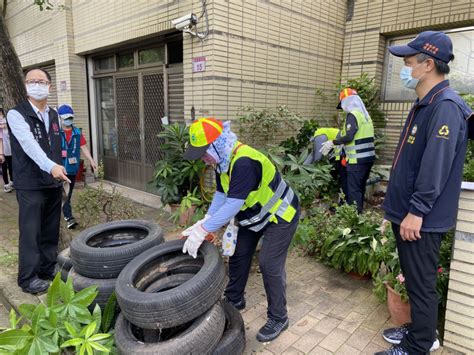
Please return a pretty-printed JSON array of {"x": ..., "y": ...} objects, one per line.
[{"x": 13, "y": 88}]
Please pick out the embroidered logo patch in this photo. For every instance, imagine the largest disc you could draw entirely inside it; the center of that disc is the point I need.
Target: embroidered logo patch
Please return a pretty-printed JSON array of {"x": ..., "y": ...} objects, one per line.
[
  {"x": 348, "y": 127},
  {"x": 443, "y": 132},
  {"x": 414, "y": 129}
]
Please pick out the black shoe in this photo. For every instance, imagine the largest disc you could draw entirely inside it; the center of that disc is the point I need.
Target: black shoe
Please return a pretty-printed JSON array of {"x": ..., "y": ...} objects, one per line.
[
  {"x": 240, "y": 305},
  {"x": 71, "y": 223},
  {"x": 36, "y": 286},
  {"x": 47, "y": 277},
  {"x": 394, "y": 350},
  {"x": 271, "y": 330},
  {"x": 395, "y": 336}
]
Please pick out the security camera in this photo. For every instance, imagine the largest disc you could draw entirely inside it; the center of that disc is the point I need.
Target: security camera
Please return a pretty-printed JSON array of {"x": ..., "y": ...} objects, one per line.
[{"x": 185, "y": 22}]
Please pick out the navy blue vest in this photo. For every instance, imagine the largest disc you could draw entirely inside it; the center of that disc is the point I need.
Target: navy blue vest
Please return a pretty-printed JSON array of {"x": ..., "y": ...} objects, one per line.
[{"x": 27, "y": 175}]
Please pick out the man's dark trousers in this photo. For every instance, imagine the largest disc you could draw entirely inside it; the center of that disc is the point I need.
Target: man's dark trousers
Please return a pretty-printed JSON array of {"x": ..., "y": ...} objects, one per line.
[
  {"x": 419, "y": 262},
  {"x": 39, "y": 218},
  {"x": 67, "y": 210},
  {"x": 357, "y": 176},
  {"x": 276, "y": 240}
]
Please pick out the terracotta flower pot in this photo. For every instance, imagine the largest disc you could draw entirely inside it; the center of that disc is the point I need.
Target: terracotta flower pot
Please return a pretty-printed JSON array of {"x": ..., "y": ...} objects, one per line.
[{"x": 399, "y": 310}]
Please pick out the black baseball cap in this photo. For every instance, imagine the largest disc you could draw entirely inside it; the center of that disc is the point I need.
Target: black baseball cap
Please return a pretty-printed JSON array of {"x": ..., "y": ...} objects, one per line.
[{"x": 433, "y": 43}]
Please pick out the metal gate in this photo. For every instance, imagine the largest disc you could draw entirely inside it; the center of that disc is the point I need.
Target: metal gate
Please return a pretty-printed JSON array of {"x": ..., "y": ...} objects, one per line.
[{"x": 139, "y": 107}]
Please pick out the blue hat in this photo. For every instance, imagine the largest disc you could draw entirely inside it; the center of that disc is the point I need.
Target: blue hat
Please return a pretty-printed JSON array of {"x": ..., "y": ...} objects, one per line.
[
  {"x": 433, "y": 43},
  {"x": 65, "y": 111}
]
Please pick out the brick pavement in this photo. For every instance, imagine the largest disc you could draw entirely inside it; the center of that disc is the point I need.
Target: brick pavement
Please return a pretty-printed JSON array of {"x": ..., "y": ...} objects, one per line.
[{"x": 330, "y": 313}]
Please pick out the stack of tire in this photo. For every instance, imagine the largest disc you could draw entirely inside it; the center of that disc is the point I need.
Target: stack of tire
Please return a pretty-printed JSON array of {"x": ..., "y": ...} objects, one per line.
[
  {"x": 172, "y": 304},
  {"x": 64, "y": 263},
  {"x": 98, "y": 254}
]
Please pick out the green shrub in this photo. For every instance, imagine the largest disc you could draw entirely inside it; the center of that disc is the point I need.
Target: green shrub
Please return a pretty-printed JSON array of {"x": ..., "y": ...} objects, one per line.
[
  {"x": 102, "y": 204},
  {"x": 174, "y": 176},
  {"x": 296, "y": 145},
  {"x": 259, "y": 128},
  {"x": 368, "y": 91},
  {"x": 353, "y": 242},
  {"x": 64, "y": 322}
]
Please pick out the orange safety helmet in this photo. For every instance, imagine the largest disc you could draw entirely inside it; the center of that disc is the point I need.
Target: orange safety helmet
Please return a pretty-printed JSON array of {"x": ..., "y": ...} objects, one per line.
[
  {"x": 202, "y": 133},
  {"x": 345, "y": 93}
]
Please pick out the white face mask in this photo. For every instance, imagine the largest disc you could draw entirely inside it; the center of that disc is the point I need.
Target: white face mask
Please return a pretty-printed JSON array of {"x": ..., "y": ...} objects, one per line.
[{"x": 37, "y": 91}]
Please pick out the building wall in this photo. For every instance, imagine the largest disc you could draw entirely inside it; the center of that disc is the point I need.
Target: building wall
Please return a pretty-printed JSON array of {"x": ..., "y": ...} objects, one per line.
[
  {"x": 265, "y": 53},
  {"x": 46, "y": 36},
  {"x": 373, "y": 21},
  {"x": 459, "y": 326}
]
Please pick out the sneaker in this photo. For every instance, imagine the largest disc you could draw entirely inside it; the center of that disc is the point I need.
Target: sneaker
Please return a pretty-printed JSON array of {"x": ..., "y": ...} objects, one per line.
[
  {"x": 71, "y": 223},
  {"x": 7, "y": 188},
  {"x": 240, "y": 305},
  {"x": 271, "y": 330},
  {"x": 395, "y": 336},
  {"x": 36, "y": 286},
  {"x": 394, "y": 350}
]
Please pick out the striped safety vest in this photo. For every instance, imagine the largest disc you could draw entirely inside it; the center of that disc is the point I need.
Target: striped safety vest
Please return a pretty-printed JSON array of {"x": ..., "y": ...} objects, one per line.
[{"x": 273, "y": 196}]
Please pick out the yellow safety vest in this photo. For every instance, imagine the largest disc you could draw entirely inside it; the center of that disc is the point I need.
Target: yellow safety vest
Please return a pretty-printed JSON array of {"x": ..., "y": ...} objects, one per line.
[
  {"x": 331, "y": 133},
  {"x": 362, "y": 148},
  {"x": 272, "y": 202}
]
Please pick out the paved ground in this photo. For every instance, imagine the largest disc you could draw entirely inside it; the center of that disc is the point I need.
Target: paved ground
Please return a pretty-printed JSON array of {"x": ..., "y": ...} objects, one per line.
[{"x": 329, "y": 311}]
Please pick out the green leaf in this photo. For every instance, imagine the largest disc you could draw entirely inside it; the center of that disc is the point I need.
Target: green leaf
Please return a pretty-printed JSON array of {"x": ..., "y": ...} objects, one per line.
[
  {"x": 100, "y": 336},
  {"x": 27, "y": 310},
  {"x": 89, "y": 349},
  {"x": 15, "y": 337},
  {"x": 97, "y": 316},
  {"x": 72, "y": 342},
  {"x": 37, "y": 315},
  {"x": 99, "y": 347},
  {"x": 85, "y": 296},
  {"x": 48, "y": 344},
  {"x": 65, "y": 291},
  {"x": 90, "y": 330},
  {"x": 71, "y": 329},
  {"x": 109, "y": 312},
  {"x": 54, "y": 293},
  {"x": 36, "y": 348},
  {"x": 13, "y": 319}
]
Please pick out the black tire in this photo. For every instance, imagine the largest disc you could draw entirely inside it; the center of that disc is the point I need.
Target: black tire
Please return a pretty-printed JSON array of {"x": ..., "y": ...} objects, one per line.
[
  {"x": 64, "y": 259},
  {"x": 199, "y": 337},
  {"x": 174, "y": 306},
  {"x": 105, "y": 287},
  {"x": 233, "y": 339},
  {"x": 168, "y": 282},
  {"x": 101, "y": 252}
]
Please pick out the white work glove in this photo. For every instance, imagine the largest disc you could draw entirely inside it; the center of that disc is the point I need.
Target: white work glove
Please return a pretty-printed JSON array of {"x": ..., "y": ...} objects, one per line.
[
  {"x": 194, "y": 241},
  {"x": 326, "y": 147},
  {"x": 188, "y": 230}
]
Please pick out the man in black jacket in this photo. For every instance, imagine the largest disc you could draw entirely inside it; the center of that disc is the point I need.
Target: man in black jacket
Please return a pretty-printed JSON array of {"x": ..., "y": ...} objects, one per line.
[
  {"x": 38, "y": 176},
  {"x": 425, "y": 183}
]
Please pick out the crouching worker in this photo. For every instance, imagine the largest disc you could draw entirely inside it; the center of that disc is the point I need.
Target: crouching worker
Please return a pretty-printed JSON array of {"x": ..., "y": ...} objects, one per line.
[{"x": 249, "y": 188}]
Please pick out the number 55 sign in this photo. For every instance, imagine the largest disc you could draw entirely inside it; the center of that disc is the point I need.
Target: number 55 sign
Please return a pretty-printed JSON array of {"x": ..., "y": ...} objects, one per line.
[{"x": 199, "y": 64}]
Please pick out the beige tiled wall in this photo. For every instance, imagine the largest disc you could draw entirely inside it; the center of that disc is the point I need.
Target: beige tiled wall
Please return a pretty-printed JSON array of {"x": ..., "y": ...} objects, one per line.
[
  {"x": 262, "y": 53},
  {"x": 374, "y": 21},
  {"x": 459, "y": 326},
  {"x": 266, "y": 53},
  {"x": 46, "y": 36}
]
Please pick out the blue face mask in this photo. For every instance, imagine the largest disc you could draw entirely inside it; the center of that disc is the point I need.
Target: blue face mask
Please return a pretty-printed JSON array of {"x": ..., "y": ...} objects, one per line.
[
  {"x": 67, "y": 122},
  {"x": 407, "y": 80}
]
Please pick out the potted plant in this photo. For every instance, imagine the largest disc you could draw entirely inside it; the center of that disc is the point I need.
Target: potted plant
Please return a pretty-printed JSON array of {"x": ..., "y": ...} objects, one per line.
[
  {"x": 353, "y": 242},
  {"x": 174, "y": 177}
]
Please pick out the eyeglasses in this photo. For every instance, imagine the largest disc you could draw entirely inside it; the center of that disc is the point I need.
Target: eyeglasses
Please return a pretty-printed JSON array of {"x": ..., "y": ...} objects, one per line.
[{"x": 39, "y": 82}]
